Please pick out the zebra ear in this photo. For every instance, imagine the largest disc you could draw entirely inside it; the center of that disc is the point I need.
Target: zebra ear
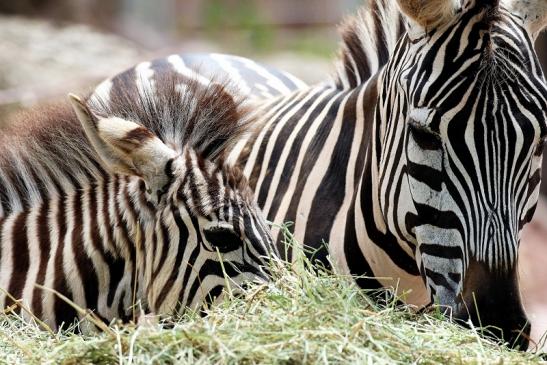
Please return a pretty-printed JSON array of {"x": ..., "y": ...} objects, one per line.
[
  {"x": 532, "y": 12},
  {"x": 429, "y": 14},
  {"x": 125, "y": 147}
]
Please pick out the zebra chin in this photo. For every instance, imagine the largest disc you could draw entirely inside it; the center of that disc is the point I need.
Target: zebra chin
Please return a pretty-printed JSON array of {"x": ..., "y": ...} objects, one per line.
[{"x": 489, "y": 301}]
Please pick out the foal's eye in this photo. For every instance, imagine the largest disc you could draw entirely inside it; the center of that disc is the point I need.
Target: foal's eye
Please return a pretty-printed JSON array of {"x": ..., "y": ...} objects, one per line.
[{"x": 224, "y": 239}]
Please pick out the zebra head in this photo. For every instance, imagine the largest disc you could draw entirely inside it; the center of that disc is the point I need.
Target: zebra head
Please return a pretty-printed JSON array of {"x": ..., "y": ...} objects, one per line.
[
  {"x": 201, "y": 230},
  {"x": 463, "y": 106}
]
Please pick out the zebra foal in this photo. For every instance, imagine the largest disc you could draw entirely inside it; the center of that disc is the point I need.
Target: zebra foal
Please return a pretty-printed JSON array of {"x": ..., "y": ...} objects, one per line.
[{"x": 127, "y": 202}]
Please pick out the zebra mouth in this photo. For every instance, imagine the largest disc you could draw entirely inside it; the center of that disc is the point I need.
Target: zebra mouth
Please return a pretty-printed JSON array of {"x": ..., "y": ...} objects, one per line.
[{"x": 496, "y": 311}]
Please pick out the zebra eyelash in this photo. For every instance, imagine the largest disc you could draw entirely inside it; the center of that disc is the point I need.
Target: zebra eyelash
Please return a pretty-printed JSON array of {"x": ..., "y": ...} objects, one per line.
[{"x": 424, "y": 136}]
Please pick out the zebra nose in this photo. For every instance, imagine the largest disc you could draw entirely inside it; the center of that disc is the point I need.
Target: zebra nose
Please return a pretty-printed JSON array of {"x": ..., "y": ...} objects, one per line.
[
  {"x": 499, "y": 318},
  {"x": 491, "y": 301}
]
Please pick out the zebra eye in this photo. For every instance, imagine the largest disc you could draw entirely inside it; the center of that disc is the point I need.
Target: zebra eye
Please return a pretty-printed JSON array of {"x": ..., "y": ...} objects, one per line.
[
  {"x": 224, "y": 239},
  {"x": 424, "y": 137}
]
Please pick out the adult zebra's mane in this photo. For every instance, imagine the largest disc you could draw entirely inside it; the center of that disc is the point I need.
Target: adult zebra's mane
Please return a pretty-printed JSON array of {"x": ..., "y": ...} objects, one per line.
[
  {"x": 368, "y": 39},
  {"x": 44, "y": 151}
]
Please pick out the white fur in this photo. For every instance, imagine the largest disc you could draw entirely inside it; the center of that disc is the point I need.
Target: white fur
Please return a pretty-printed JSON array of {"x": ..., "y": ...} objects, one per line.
[{"x": 532, "y": 12}]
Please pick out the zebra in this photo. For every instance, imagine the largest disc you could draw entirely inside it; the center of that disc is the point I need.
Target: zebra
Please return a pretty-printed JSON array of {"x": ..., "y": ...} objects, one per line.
[
  {"x": 127, "y": 207},
  {"x": 418, "y": 164}
]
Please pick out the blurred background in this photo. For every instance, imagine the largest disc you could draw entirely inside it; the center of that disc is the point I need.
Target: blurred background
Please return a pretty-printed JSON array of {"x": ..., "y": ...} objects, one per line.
[{"x": 51, "y": 47}]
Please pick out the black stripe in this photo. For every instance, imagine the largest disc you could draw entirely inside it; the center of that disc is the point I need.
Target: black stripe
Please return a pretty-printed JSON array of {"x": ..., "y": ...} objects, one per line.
[
  {"x": 84, "y": 265},
  {"x": 64, "y": 313},
  {"x": 447, "y": 252},
  {"x": 437, "y": 278},
  {"x": 331, "y": 192},
  {"x": 44, "y": 245},
  {"x": 20, "y": 258}
]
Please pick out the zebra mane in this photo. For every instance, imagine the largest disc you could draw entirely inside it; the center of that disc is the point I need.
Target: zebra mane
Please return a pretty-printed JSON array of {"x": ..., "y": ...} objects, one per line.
[
  {"x": 368, "y": 39},
  {"x": 44, "y": 150},
  {"x": 181, "y": 110}
]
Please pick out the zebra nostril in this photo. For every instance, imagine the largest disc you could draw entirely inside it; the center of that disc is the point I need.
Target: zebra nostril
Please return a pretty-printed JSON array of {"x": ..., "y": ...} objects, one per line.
[{"x": 508, "y": 323}]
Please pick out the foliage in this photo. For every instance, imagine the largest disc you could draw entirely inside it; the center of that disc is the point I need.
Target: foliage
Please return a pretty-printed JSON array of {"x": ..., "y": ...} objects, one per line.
[{"x": 242, "y": 15}]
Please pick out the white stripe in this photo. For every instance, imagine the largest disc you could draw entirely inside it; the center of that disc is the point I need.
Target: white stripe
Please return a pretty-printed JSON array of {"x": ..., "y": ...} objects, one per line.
[
  {"x": 144, "y": 78},
  {"x": 271, "y": 80},
  {"x": 232, "y": 71},
  {"x": 178, "y": 64},
  {"x": 34, "y": 258},
  {"x": 6, "y": 262},
  {"x": 337, "y": 234},
  {"x": 101, "y": 94}
]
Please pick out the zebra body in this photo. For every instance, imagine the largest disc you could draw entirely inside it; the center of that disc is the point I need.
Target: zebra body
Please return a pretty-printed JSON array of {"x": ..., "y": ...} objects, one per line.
[
  {"x": 419, "y": 162},
  {"x": 129, "y": 209}
]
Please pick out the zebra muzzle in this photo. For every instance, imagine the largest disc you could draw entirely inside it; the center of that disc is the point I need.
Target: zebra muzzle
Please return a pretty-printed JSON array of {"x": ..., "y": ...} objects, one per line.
[{"x": 491, "y": 302}]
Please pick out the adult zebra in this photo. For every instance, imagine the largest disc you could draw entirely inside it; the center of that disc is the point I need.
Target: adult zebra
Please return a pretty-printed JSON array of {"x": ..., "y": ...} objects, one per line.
[
  {"x": 419, "y": 163},
  {"x": 424, "y": 174},
  {"x": 132, "y": 209}
]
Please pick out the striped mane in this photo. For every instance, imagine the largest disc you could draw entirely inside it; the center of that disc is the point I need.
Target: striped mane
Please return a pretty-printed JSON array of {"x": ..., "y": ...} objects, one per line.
[
  {"x": 44, "y": 152},
  {"x": 368, "y": 40},
  {"x": 181, "y": 111}
]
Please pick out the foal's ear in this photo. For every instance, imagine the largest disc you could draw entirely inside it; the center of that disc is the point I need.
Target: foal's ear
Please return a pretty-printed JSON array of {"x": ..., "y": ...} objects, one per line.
[
  {"x": 125, "y": 147},
  {"x": 532, "y": 12}
]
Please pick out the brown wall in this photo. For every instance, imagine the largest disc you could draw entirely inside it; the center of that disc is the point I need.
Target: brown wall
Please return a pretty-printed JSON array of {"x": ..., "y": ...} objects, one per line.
[{"x": 188, "y": 12}]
